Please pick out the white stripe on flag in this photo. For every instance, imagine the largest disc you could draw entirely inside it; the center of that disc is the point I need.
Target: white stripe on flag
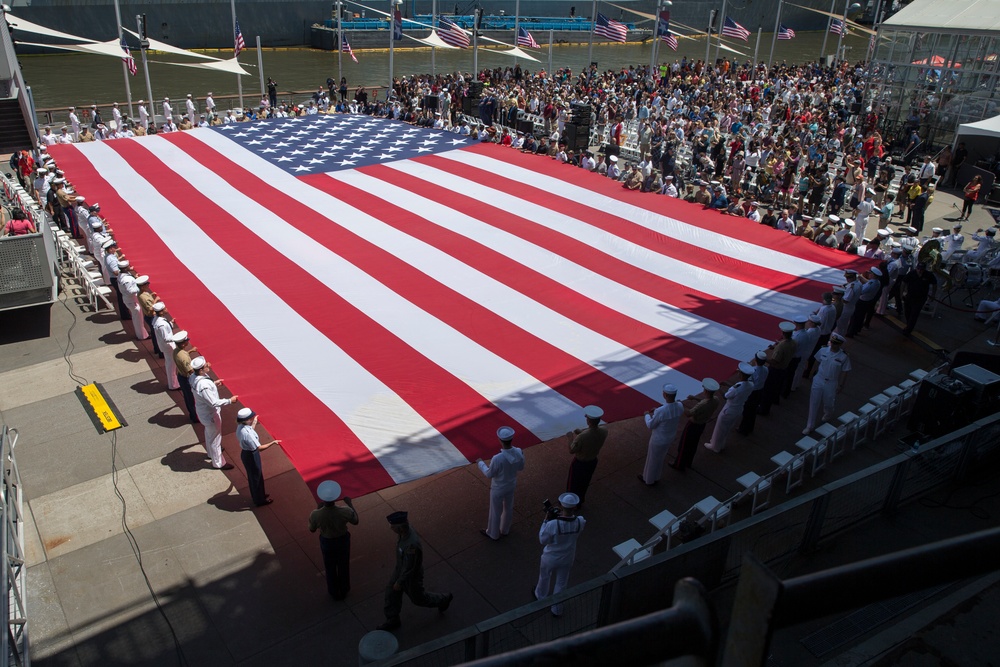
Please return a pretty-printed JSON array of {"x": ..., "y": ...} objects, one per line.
[
  {"x": 780, "y": 305},
  {"x": 714, "y": 241},
  {"x": 315, "y": 361}
]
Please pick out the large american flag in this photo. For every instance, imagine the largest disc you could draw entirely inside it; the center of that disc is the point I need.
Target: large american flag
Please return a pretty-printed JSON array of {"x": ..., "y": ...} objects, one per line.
[
  {"x": 387, "y": 296},
  {"x": 733, "y": 29},
  {"x": 610, "y": 29},
  {"x": 663, "y": 30},
  {"x": 238, "y": 42},
  {"x": 785, "y": 33},
  {"x": 837, "y": 27},
  {"x": 345, "y": 47},
  {"x": 451, "y": 33}
]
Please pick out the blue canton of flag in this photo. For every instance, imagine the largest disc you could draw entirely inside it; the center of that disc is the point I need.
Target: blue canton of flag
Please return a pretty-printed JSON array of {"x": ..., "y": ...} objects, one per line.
[
  {"x": 785, "y": 33},
  {"x": 837, "y": 27},
  {"x": 318, "y": 144}
]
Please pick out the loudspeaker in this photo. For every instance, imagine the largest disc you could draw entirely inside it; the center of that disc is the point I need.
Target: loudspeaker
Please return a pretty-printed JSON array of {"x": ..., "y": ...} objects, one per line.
[
  {"x": 577, "y": 138},
  {"x": 526, "y": 126},
  {"x": 470, "y": 106},
  {"x": 476, "y": 89},
  {"x": 431, "y": 102},
  {"x": 943, "y": 405}
]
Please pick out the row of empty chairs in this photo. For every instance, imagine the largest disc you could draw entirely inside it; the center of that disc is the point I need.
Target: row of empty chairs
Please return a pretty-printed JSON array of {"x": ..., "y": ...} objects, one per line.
[{"x": 871, "y": 421}]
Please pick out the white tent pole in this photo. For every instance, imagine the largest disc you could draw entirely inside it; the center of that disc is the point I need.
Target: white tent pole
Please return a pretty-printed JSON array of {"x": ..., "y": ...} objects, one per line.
[
  {"x": 239, "y": 81},
  {"x": 590, "y": 44},
  {"x": 552, "y": 34},
  {"x": 722, "y": 21},
  {"x": 128, "y": 87},
  {"x": 260, "y": 67},
  {"x": 434, "y": 11},
  {"x": 143, "y": 45},
  {"x": 774, "y": 35},
  {"x": 829, "y": 22}
]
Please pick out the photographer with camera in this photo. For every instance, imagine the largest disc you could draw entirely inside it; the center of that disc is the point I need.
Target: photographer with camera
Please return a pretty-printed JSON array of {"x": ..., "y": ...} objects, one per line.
[{"x": 560, "y": 530}]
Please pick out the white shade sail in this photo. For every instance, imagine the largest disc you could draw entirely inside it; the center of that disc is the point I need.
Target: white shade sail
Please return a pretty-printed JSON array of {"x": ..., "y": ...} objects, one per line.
[
  {"x": 231, "y": 66},
  {"x": 112, "y": 48},
  {"x": 167, "y": 48},
  {"x": 25, "y": 25}
]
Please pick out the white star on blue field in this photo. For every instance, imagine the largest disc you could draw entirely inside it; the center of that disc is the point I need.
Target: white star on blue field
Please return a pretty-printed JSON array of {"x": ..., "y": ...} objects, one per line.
[{"x": 323, "y": 143}]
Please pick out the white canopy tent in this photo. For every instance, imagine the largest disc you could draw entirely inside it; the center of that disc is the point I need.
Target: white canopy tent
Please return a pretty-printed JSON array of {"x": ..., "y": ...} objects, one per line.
[
  {"x": 25, "y": 25},
  {"x": 982, "y": 140},
  {"x": 973, "y": 17}
]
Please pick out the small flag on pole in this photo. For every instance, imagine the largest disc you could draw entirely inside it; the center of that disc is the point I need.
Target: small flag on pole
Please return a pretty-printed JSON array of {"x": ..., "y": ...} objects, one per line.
[
  {"x": 837, "y": 27},
  {"x": 397, "y": 25},
  {"x": 451, "y": 33},
  {"x": 663, "y": 30},
  {"x": 610, "y": 29},
  {"x": 871, "y": 46},
  {"x": 785, "y": 33},
  {"x": 239, "y": 44},
  {"x": 127, "y": 58},
  {"x": 525, "y": 39},
  {"x": 733, "y": 29},
  {"x": 345, "y": 46}
]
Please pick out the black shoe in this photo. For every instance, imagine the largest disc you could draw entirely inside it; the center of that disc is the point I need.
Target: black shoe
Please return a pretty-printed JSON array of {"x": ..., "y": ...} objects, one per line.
[
  {"x": 447, "y": 603},
  {"x": 228, "y": 466},
  {"x": 390, "y": 625},
  {"x": 267, "y": 501}
]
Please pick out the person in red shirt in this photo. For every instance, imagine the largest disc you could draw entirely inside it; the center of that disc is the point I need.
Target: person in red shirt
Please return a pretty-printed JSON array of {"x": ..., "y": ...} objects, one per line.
[{"x": 18, "y": 225}]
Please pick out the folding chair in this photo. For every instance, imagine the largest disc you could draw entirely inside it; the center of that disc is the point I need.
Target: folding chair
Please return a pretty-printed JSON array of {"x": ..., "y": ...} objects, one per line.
[
  {"x": 713, "y": 511},
  {"x": 834, "y": 438},
  {"x": 758, "y": 487},
  {"x": 816, "y": 448},
  {"x": 791, "y": 466}
]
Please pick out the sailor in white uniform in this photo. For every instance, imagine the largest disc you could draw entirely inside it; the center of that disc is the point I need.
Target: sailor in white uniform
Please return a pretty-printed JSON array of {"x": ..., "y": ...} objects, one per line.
[
  {"x": 168, "y": 111},
  {"x": 985, "y": 245},
  {"x": 130, "y": 295},
  {"x": 208, "y": 406},
  {"x": 192, "y": 110},
  {"x": 74, "y": 123},
  {"x": 831, "y": 371},
  {"x": 143, "y": 115},
  {"x": 736, "y": 396},
  {"x": 952, "y": 243},
  {"x": 502, "y": 470},
  {"x": 558, "y": 536},
  {"x": 662, "y": 423},
  {"x": 164, "y": 332},
  {"x": 852, "y": 290}
]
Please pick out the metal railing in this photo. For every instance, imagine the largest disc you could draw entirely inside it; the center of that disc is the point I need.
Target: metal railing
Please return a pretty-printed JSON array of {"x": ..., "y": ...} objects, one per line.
[
  {"x": 15, "y": 638},
  {"x": 28, "y": 274},
  {"x": 797, "y": 525}
]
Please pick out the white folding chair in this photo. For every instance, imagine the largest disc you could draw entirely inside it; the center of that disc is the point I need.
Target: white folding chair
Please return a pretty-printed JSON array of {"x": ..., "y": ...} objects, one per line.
[
  {"x": 758, "y": 487},
  {"x": 666, "y": 525},
  {"x": 713, "y": 511},
  {"x": 631, "y": 552},
  {"x": 792, "y": 466},
  {"x": 834, "y": 439},
  {"x": 817, "y": 449}
]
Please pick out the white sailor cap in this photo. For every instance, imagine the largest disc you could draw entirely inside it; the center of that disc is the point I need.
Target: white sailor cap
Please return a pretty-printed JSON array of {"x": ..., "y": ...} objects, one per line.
[
  {"x": 505, "y": 433},
  {"x": 96, "y": 224},
  {"x": 761, "y": 355},
  {"x": 876, "y": 271},
  {"x": 836, "y": 338},
  {"x": 833, "y": 218},
  {"x": 786, "y": 326},
  {"x": 870, "y": 191},
  {"x": 80, "y": 199},
  {"x": 937, "y": 230},
  {"x": 198, "y": 363},
  {"x": 670, "y": 178},
  {"x": 909, "y": 230},
  {"x": 669, "y": 389},
  {"x": 745, "y": 368},
  {"x": 109, "y": 243},
  {"x": 142, "y": 280},
  {"x": 839, "y": 289},
  {"x": 850, "y": 272},
  {"x": 124, "y": 264},
  {"x": 800, "y": 319},
  {"x": 159, "y": 306},
  {"x": 896, "y": 250},
  {"x": 708, "y": 384},
  {"x": 848, "y": 222},
  {"x": 593, "y": 412},
  {"x": 815, "y": 319},
  {"x": 245, "y": 414},
  {"x": 883, "y": 233},
  {"x": 613, "y": 158},
  {"x": 42, "y": 170},
  {"x": 569, "y": 500},
  {"x": 328, "y": 491},
  {"x": 180, "y": 336}
]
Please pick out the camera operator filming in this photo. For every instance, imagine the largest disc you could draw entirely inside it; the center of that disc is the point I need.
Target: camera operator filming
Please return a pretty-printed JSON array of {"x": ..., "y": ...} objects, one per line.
[{"x": 558, "y": 535}]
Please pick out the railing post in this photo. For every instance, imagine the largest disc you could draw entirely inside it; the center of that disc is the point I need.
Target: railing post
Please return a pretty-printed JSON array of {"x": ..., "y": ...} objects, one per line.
[
  {"x": 609, "y": 592},
  {"x": 965, "y": 457},
  {"x": 814, "y": 524},
  {"x": 895, "y": 489}
]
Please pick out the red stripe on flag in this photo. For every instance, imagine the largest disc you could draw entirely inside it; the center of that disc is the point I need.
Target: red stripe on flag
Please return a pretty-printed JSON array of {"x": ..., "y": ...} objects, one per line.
[
  {"x": 695, "y": 215},
  {"x": 317, "y": 442},
  {"x": 657, "y": 287}
]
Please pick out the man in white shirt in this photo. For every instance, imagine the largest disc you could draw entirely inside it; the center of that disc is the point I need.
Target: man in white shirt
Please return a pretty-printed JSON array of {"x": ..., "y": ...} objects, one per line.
[
  {"x": 74, "y": 122},
  {"x": 669, "y": 188},
  {"x": 192, "y": 110},
  {"x": 662, "y": 423},
  {"x": 208, "y": 407},
  {"x": 168, "y": 111},
  {"x": 209, "y": 105},
  {"x": 143, "y": 115}
]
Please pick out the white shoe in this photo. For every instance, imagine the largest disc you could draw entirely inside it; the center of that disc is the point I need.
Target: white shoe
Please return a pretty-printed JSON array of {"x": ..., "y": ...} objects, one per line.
[{"x": 807, "y": 430}]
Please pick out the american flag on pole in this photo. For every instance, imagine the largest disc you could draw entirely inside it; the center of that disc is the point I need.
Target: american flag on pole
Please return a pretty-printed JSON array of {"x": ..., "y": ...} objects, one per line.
[
  {"x": 610, "y": 29},
  {"x": 663, "y": 30},
  {"x": 238, "y": 43},
  {"x": 451, "y": 33},
  {"x": 733, "y": 29},
  {"x": 397, "y": 25},
  {"x": 388, "y": 296},
  {"x": 525, "y": 39},
  {"x": 785, "y": 33},
  {"x": 345, "y": 46},
  {"x": 837, "y": 27},
  {"x": 127, "y": 58}
]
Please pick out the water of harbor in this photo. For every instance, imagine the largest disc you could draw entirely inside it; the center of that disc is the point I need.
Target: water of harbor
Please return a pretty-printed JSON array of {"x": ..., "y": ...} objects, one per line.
[{"x": 83, "y": 79}]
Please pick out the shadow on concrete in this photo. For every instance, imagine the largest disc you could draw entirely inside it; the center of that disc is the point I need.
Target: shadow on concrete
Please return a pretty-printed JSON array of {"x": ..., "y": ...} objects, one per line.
[
  {"x": 183, "y": 460},
  {"x": 25, "y": 324},
  {"x": 227, "y": 501},
  {"x": 149, "y": 387},
  {"x": 116, "y": 337},
  {"x": 161, "y": 418}
]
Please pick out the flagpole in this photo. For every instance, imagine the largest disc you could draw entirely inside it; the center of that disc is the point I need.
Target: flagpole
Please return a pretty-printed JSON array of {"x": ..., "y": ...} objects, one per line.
[
  {"x": 708, "y": 36},
  {"x": 260, "y": 67},
  {"x": 475, "y": 43},
  {"x": 340, "y": 43},
  {"x": 552, "y": 34},
  {"x": 829, "y": 23},
  {"x": 757, "y": 46},
  {"x": 392, "y": 41},
  {"x": 843, "y": 29},
  {"x": 718, "y": 41},
  {"x": 434, "y": 11},
  {"x": 143, "y": 45},
  {"x": 517, "y": 13},
  {"x": 128, "y": 87},
  {"x": 774, "y": 35},
  {"x": 590, "y": 45},
  {"x": 239, "y": 81},
  {"x": 656, "y": 38}
]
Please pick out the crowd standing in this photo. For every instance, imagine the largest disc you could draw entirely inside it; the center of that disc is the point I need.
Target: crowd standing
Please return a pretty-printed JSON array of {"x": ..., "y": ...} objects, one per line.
[{"x": 787, "y": 147}]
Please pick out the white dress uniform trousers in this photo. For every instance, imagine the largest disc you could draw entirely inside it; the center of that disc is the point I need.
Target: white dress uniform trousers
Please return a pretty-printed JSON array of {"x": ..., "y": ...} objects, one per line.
[
  {"x": 824, "y": 385},
  {"x": 559, "y": 538},
  {"x": 503, "y": 469},
  {"x": 731, "y": 414},
  {"x": 208, "y": 406},
  {"x": 663, "y": 425},
  {"x": 852, "y": 290}
]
